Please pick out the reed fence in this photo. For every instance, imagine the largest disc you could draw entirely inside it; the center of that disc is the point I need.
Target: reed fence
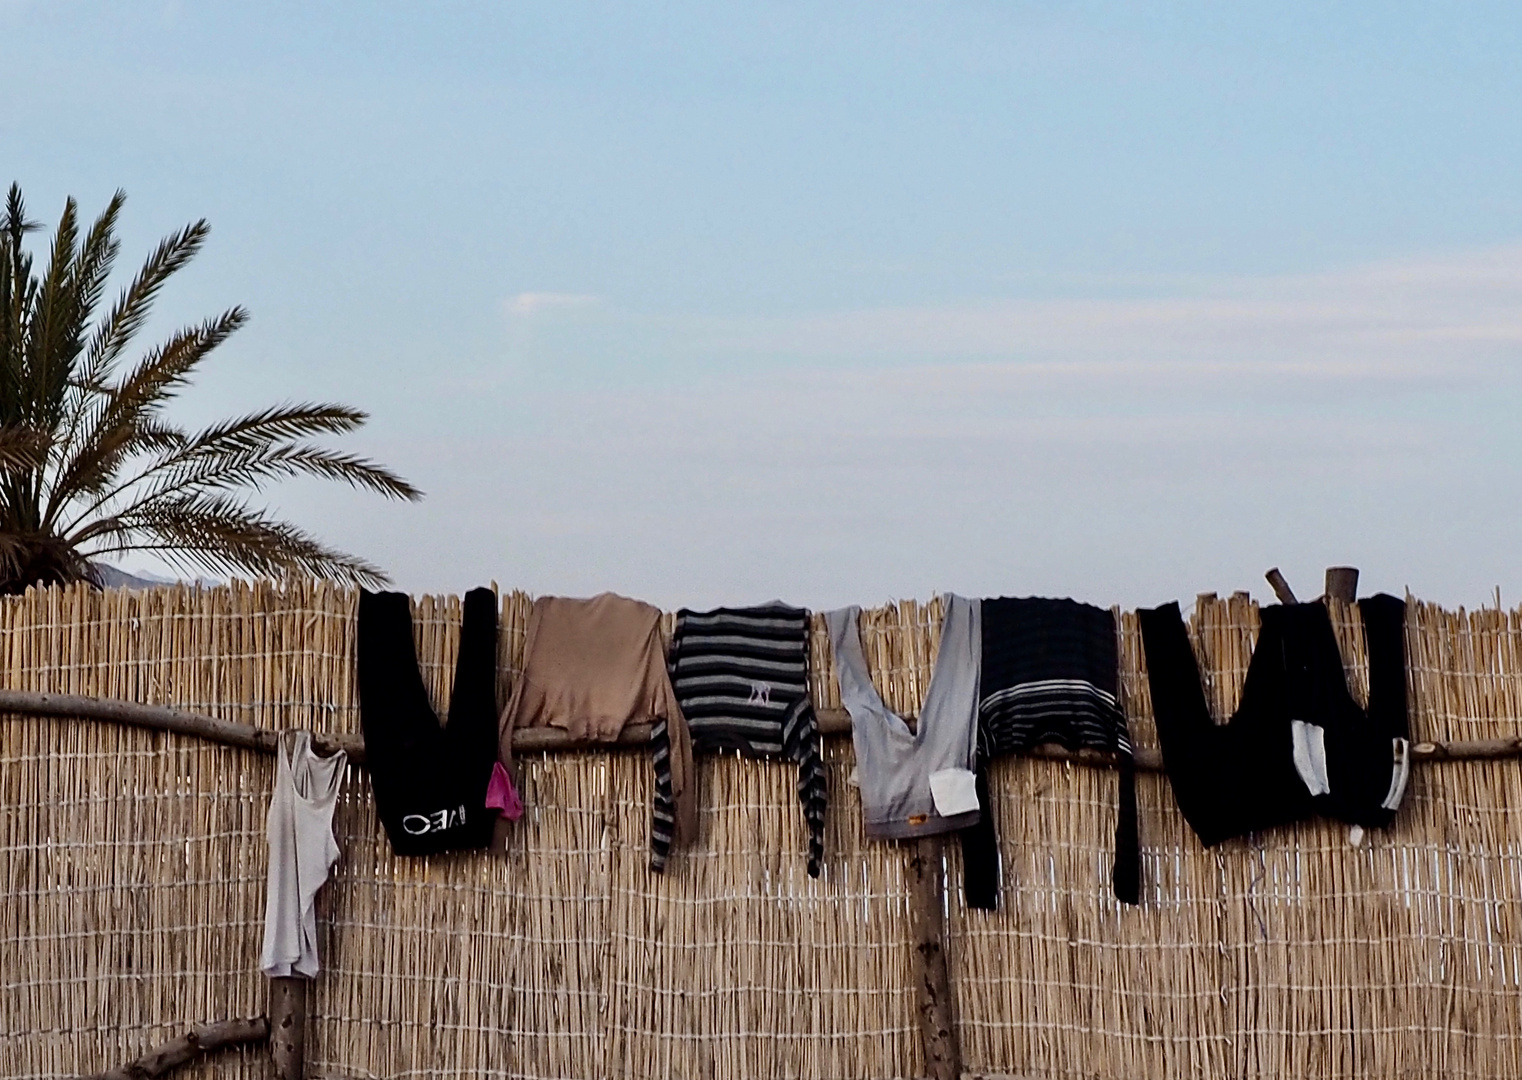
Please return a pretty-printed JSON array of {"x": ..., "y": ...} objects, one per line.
[{"x": 132, "y": 875}]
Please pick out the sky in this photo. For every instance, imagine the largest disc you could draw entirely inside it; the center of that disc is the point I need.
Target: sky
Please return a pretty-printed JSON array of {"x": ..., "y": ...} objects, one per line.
[{"x": 839, "y": 302}]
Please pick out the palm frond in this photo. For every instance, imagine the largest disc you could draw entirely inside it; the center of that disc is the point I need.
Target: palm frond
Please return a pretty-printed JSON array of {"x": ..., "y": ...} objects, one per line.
[
  {"x": 22, "y": 448},
  {"x": 245, "y": 452},
  {"x": 132, "y": 309},
  {"x": 13, "y": 308},
  {"x": 112, "y": 333},
  {"x": 167, "y": 368},
  {"x": 40, "y": 558},
  {"x": 286, "y": 462},
  {"x": 115, "y": 418},
  {"x": 18, "y": 263},
  {"x": 260, "y": 445},
  {"x": 55, "y": 328},
  {"x": 17, "y": 224},
  {"x": 208, "y": 473},
  {"x": 97, "y": 255},
  {"x": 221, "y": 535},
  {"x": 279, "y": 423}
]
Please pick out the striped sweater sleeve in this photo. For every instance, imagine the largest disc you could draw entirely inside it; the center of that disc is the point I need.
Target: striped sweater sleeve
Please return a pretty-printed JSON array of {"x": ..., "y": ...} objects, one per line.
[
  {"x": 663, "y": 815},
  {"x": 800, "y": 737}
]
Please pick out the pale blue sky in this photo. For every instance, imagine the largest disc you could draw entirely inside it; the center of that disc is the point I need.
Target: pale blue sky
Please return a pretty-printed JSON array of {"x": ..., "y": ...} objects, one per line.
[{"x": 837, "y": 302}]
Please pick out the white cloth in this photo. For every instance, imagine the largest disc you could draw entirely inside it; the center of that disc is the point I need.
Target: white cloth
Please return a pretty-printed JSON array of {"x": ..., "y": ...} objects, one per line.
[
  {"x": 1308, "y": 751},
  {"x": 1399, "y": 774},
  {"x": 302, "y": 852},
  {"x": 955, "y": 791}
]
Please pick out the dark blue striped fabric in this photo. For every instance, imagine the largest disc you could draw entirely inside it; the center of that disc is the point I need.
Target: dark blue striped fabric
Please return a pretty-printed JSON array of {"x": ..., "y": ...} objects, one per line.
[{"x": 1049, "y": 675}]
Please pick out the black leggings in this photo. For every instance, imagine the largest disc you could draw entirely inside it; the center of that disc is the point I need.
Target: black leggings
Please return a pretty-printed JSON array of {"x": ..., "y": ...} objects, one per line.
[{"x": 429, "y": 781}]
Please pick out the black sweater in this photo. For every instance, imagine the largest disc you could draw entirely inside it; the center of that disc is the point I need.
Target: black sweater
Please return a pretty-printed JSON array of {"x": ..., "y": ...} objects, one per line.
[{"x": 1239, "y": 777}]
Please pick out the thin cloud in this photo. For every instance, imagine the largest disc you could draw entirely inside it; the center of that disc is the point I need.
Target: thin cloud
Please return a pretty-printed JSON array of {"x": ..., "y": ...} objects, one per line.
[
  {"x": 1400, "y": 317},
  {"x": 532, "y": 303}
]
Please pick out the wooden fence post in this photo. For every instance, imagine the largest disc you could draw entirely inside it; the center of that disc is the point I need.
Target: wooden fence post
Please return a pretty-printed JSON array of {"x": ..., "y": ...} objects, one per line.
[
  {"x": 934, "y": 1007},
  {"x": 1281, "y": 587},
  {"x": 1342, "y": 583},
  {"x": 288, "y": 1024}
]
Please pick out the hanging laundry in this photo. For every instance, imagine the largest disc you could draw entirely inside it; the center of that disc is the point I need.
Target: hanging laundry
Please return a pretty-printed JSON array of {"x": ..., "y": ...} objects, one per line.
[
  {"x": 302, "y": 853},
  {"x": 741, "y": 678},
  {"x": 1298, "y": 744},
  {"x": 920, "y": 782},
  {"x": 593, "y": 667},
  {"x": 1049, "y": 675},
  {"x": 502, "y": 795},
  {"x": 430, "y": 781}
]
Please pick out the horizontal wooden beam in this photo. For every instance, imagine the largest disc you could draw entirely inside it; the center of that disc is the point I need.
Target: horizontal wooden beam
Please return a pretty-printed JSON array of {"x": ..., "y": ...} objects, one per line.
[
  {"x": 1467, "y": 750},
  {"x": 832, "y": 722},
  {"x": 163, "y": 718},
  {"x": 201, "y": 1039}
]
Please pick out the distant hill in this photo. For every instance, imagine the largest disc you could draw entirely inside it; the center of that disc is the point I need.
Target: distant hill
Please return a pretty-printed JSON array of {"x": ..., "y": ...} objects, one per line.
[{"x": 112, "y": 578}]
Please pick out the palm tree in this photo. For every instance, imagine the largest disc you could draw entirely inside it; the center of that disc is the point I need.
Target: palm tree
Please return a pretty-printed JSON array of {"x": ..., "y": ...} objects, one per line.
[{"x": 90, "y": 465}]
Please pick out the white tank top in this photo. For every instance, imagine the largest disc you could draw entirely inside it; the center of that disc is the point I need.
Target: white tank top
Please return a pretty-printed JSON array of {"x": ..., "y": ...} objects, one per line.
[
  {"x": 920, "y": 782},
  {"x": 302, "y": 851}
]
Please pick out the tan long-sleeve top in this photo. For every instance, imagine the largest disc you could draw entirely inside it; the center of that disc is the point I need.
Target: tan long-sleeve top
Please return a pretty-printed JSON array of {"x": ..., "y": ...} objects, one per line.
[{"x": 591, "y": 667}]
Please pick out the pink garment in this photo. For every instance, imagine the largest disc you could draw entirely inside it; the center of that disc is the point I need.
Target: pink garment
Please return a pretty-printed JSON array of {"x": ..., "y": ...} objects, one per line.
[{"x": 502, "y": 795}]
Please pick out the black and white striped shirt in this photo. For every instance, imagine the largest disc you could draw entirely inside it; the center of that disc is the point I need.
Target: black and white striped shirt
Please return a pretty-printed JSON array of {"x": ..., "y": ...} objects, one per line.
[
  {"x": 1049, "y": 675},
  {"x": 741, "y": 679}
]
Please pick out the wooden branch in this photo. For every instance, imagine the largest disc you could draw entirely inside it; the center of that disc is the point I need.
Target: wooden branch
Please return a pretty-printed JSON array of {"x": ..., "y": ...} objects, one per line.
[
  {"x": 1342, "y": 583},
  {"x": 288, "y": 1022},
  {"x": 832, "y": 722},
  {"x": 163, "y": 718},
  {"x": 1282, "y": 590},
  {"x": 1467, "y": 750},
  {"x": 201, "y": 1039},
  {"x": 932, "y": 984}
]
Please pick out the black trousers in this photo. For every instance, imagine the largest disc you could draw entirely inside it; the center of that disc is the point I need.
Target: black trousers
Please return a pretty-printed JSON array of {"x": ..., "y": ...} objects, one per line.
[{"x": 429, "y": 781}]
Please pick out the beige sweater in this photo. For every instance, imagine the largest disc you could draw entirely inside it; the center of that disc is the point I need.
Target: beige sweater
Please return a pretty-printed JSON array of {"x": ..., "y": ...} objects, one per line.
[{"x": 592, "y": 667}]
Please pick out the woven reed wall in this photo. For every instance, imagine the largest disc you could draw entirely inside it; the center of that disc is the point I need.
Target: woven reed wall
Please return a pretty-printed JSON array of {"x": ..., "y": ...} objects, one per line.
[{"x": 132, "y": 870}]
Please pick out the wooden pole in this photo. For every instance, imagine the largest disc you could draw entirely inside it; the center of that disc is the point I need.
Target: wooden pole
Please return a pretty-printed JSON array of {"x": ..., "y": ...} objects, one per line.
[
  {"x": 1467, "y": 750},
  {"x": 1282, "y": 590},
  {"x": 163, "y": 718},
  {"x": 201, "y": 1039},
  {"x": 1342, "y": 583},
  {"x": 287, "y": 1026},
  {"x": 932, "y": 985},
  {"x": 549, "y": 740}
]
